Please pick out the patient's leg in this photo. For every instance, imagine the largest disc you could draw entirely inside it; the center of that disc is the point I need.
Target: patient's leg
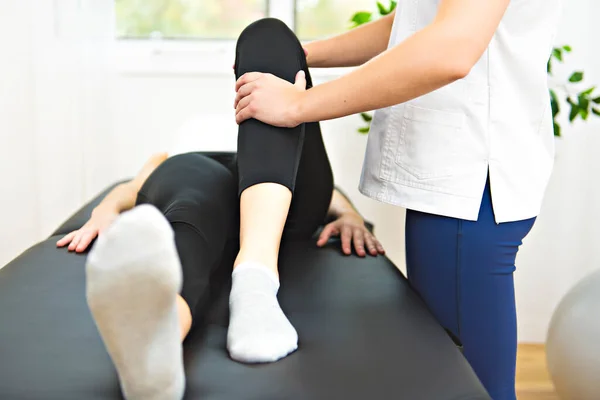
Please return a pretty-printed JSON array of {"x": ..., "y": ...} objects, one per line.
[
  {"x": 258, "y": 329},
  {"x": 135, "y": 271},
  {"x": 133, "y": 276},
  {"x": 268, "y": 164}
]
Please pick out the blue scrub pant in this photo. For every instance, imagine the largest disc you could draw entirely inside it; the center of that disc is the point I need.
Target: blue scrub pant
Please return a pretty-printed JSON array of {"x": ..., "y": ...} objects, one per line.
[{"x": 463, "y": 271}]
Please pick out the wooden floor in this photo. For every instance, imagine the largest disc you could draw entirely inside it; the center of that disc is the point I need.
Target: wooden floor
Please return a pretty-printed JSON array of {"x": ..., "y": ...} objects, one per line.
[{"x": 533, "y": 381}]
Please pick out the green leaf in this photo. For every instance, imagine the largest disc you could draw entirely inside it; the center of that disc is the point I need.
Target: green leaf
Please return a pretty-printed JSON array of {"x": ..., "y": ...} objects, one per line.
[
  {"x": 567, "y": 48},
  {"x": 574, "y": 112},
  {"x": 363, "y": 130},
  {"x": 549, "y": 66},
  {"x": 361, "y": 17},
  {"x": 596, "y": 100},
  {"x": 554, "y": 103},
  {"x": 596, "y": 111},
  {"x": 556, "y": 129},
  {"x": 584, "y": 114},
  {"x": 366, "y": 117},
  {"x": 576, "y": 77},
  {"x": 589, "y": 91},
  {"x": 385, "y": 11},
  {"x": 557, "y": 53},
  {"x": 584, "y": 102}
]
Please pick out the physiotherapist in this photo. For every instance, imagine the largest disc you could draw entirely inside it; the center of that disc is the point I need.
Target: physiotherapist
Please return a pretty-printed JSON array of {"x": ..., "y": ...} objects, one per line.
[{"x": 462, "y": 138}]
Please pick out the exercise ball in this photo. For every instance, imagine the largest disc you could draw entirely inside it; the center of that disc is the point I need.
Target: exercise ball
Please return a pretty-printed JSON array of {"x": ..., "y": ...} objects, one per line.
[{"x": 573, "y": 342}]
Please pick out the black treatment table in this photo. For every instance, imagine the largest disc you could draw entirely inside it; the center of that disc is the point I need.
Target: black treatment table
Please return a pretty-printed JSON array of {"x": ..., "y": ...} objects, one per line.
[{"x": 364, "y": 334}]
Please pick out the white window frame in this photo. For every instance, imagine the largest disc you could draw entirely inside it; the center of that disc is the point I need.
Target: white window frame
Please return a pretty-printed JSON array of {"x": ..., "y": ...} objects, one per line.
[{"x": 194, "y": 57}]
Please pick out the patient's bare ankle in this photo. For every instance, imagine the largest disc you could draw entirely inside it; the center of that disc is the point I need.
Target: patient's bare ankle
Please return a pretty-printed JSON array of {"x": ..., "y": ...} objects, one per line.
[
  {"x": 257, "y": 257},
  {"x": 185, "y": 317}
]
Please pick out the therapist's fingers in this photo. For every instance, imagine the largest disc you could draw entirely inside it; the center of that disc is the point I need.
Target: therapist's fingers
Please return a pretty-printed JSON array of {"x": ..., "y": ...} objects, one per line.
[
  {"x": 300, "y": 81},
  {"x": 243, "y": 92},
  {"x": 346, "y": 240},
  {"x": 244, "y": 110},
  {"x": 247, "y": 78},
  {"x": 359, "y": 242}
]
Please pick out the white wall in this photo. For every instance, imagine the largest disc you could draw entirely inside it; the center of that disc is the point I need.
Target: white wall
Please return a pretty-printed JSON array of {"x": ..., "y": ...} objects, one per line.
[
  {"x": 55, "y": 122},
  {"x": 563, "y": 246},
  {"x": 18, "y": 205},
  {"x": 148, "y": 108}
]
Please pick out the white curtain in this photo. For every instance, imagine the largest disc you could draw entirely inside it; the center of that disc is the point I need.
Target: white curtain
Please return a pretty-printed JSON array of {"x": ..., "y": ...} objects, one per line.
[{"x": 55, "y": 114}]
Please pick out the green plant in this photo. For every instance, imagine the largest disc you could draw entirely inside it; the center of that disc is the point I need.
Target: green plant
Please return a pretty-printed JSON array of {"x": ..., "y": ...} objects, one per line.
[
  {"x": 582, "y": 104},
  {"x": 362, "y": 17}
]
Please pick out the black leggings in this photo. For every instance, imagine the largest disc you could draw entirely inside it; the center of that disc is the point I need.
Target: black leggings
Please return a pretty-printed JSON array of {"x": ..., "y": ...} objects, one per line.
[{"x": 199, "y": 192}]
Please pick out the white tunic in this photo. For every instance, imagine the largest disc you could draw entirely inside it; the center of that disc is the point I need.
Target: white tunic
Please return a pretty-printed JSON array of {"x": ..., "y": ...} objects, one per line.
[{"x": 433, "y": 154}]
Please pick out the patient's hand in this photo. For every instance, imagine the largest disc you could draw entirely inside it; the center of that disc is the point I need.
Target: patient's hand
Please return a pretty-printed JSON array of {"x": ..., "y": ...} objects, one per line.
[
  {"x": 351, "y": 227},
  {"x": 80, "y": 239}
]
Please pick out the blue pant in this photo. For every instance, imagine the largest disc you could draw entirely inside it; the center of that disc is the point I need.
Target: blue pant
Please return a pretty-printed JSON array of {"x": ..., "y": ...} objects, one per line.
[{"x": 463, "y": 270}]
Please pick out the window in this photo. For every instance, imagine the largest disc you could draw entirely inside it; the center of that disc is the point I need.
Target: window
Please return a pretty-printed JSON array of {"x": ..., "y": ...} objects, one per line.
[
  {"x": 225, "y": 19},
  {"x": 180, "y": 19},
  {"x": 204, "y": 31},
  {"x": 319, "y": 18}
]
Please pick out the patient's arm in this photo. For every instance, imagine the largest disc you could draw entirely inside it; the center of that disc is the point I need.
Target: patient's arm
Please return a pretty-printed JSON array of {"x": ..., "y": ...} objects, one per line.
[
  {"x": 123, "y": 197},
  {"x": 120, "y": 199},
  {"x": 350, "y": 226}
]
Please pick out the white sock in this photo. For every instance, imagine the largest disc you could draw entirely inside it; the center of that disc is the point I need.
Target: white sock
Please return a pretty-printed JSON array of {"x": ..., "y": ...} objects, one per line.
[
  {"x": 258, "y": 331},
  {"x": 133, "y": 277}
]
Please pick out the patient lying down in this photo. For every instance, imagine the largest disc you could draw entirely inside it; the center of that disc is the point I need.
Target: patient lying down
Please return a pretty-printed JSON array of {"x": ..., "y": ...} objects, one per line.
[
  {"x": 163, "y": 236},
  {"x": 148, "y": 274}
]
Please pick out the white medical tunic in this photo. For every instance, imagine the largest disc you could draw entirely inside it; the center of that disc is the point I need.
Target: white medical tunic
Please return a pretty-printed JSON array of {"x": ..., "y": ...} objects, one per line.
[{"x": 434, "y": 153}]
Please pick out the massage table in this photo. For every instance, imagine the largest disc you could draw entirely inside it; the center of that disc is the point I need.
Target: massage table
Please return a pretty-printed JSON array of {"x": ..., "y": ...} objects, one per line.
[{"x": 364, "y": 334}]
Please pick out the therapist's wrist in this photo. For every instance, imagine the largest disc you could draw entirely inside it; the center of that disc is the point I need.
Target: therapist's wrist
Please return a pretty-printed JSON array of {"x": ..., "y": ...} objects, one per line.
[
  {"x": 314, "y": 53},
  {"x": 311, "y": 52},
  {"x": 298, "y": 110}
]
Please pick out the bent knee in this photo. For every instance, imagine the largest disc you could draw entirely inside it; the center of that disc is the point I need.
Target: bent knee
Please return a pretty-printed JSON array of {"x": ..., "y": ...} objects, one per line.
[
  {"x": 269, "y": 46},
  {"x": 273, "y": 34},
  {"x": 269, "y": 26}
]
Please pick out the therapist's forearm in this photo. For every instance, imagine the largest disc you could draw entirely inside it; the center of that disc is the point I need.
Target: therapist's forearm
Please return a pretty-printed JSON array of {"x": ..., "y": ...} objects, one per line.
[
  {"x": 426, "y": 61},
  {"x": 352, "y": 48}
]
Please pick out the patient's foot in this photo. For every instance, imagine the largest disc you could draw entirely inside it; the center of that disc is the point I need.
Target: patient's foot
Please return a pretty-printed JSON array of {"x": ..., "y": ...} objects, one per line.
[
  {"x": 259, "y": 331},
  {"x": 133, "y": 277}
]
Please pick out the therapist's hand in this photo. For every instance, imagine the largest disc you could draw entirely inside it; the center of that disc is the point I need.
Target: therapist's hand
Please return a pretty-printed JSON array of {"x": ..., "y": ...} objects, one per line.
[
  {"x": 269, "y": 99},
  {"x": 352, "y": 231}
]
